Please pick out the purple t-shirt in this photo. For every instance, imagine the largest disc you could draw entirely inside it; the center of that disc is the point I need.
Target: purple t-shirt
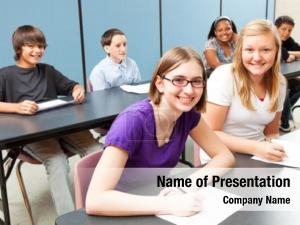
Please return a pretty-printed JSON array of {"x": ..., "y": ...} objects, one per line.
[{"x": 134, "y": 131}]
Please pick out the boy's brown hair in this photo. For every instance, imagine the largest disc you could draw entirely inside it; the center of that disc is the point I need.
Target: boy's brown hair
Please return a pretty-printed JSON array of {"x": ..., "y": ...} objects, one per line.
[
  {"x": 284, "y": 19},
  {"x": 108, "y": 35},
  {"x": 24, "y": 35}
]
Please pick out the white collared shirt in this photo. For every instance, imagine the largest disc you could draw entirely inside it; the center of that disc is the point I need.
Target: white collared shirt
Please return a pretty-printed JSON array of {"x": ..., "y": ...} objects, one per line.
[{"x": 107, "y": 74}]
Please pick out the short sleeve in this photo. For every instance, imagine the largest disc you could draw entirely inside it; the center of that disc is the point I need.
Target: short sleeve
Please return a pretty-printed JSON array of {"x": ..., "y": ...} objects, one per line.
[
  {"x": 220, "y": 86},
  {"x": 136, "y": 71},
  {"x": 97, "y": 79},
  {"x": 194, "y": 117},
  {"x": 294, "y": 46},
  {"x": 63, "y": 84},
  {"x": 210, "y": 44},
  {"x": 126, "y": 132}
]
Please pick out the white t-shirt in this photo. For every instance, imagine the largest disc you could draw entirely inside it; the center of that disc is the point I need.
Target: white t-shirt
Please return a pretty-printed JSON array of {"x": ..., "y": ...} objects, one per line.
[{"x": 240, "y": 121}]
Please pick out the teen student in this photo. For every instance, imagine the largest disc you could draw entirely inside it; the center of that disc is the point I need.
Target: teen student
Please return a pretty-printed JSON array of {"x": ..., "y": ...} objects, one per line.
[
  {"x": 117, "y": 68},
  {"x": 290, "y": 52},
  {"x": 152, "y": 133},
  {"x": 245, "y": 98},
  {"x": 220, "y": 44},
  {"x": 22, "y": 86}
]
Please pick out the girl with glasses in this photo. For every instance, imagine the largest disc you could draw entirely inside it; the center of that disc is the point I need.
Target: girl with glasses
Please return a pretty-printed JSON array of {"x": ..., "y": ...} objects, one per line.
[{"x": 152, "y": 134}]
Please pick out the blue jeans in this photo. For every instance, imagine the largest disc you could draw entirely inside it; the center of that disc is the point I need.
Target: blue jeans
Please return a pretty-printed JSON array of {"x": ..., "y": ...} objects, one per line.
[{"x": 56, "y": 163}]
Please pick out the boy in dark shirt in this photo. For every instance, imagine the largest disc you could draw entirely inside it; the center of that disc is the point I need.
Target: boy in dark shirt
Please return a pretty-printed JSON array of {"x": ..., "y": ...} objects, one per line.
[
  {"x": 290, "y": 48},
  {"x": 21, "y": 87},
  {"x": 290, "y": 51}
]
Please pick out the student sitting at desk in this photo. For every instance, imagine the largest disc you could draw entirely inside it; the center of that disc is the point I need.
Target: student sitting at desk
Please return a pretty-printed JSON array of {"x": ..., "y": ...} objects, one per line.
[
  {"x": 117, "y": 68},
  {"x": 152, "y": 134},
  {"x": 245, "y": 98},
  {"x": 290, "y": 48},
  {"x": 290, "y": 51},
  {"x": 220, "y": 44},
  {"x": 21, "y": 87}
]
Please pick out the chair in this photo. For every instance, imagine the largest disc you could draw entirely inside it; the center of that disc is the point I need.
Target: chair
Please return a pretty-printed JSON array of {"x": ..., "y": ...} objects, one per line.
[
  {"x": 89, "y": 87},
  {"x": 25, "y": 157},
  {"x": 83, "y": 172}
]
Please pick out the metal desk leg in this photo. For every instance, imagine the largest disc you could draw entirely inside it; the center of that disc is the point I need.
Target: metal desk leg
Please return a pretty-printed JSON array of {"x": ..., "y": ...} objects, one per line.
[{"x": 4, "y": 192}]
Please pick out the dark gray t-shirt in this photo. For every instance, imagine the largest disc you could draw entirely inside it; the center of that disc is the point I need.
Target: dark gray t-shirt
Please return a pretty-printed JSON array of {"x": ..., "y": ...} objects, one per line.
[{"x": 36, "y": 84}]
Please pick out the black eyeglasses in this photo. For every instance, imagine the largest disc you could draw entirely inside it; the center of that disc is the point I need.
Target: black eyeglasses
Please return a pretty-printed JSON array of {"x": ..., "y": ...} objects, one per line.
[{"x": 182, "y": 82}]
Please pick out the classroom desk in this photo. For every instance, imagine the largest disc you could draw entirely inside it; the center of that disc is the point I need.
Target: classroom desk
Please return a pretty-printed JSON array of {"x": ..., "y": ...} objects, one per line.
[
  {"x": 99, "y": 108},
  {"x": 79, "y": 217},
  {"x": 290, "y": 70}
]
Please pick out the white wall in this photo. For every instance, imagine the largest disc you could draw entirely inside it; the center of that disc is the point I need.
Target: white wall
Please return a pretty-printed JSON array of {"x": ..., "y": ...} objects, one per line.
[{"x": 292, "y": 9}]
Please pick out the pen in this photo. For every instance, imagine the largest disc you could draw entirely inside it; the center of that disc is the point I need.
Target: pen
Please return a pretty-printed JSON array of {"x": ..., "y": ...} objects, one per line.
[{"x": 182, "y": 190}]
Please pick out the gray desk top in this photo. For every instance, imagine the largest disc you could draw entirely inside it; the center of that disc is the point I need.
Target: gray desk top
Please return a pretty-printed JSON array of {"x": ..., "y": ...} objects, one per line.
[
  {"x": 99, "y": 108},
  {"x": 290, "y": 70},
  {"x": 79, "y": 217}
]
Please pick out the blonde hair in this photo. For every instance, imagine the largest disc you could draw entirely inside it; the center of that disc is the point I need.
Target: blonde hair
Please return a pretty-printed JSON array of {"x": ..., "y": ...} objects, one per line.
[
  {"x": 274, "y": 78},
  {"x": 172, "y": 59}
]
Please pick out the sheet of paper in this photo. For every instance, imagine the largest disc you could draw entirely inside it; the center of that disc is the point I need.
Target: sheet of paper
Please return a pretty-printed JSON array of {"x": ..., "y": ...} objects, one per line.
[
  {"x": 208, "y": 216},
  {"x": 53, "y": 104},
  {"x": 292, "y": 152},
  {"x": 138, "y": 89}
]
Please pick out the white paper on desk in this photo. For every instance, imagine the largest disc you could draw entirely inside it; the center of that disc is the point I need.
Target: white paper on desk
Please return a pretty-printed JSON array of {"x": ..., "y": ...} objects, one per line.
[
  {"x": 53, "y": 104},
  {"x": 138, "y": 89},
  {"x": 214, "y": 211},
  {"x": 292, "y": 151}
]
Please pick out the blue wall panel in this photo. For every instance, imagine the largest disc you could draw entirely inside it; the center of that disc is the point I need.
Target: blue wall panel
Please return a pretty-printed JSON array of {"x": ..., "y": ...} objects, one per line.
[
  {"x": 138, "y": 19},
  {"x": 241, "y": 12},
  {"x": 59, "y": 22},
  {"x": 187, "y": 23},
  {"x": 184, "y": 23},
  {"x": 271, "y": 10}
]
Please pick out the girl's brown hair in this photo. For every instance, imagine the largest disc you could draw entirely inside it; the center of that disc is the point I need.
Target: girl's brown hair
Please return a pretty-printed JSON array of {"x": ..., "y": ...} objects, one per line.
[{"x": 171, "y": 60}]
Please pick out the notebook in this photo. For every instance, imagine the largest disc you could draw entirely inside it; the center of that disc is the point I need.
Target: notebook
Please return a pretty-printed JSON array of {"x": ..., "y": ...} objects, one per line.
[
  {"x": 50, "y": 104},
  {"x": 137, "y": 88}
]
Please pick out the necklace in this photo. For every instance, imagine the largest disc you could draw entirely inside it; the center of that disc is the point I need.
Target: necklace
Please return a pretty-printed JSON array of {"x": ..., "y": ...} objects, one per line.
[{"x": 163, "y": 134}]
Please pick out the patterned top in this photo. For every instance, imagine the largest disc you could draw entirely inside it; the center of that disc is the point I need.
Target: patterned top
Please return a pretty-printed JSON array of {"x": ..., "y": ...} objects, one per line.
[{"x": 213, "y": 43}]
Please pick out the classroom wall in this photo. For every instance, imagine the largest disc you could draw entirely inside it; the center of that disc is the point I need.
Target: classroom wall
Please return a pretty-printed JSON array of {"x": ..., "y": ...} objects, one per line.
[
  {"x": 242, "y": 12},
  {"x": 290, "y": 8},
  {"x": 151, "y": 26},
  {"x": 57, "y": 19},
  {"x": 187, "y": 24},
  {"x": 138, "y": 19}
]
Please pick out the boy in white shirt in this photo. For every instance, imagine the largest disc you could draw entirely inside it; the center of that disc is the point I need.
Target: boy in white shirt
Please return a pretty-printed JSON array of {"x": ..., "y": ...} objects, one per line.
[{"x": 117, "y": 68}]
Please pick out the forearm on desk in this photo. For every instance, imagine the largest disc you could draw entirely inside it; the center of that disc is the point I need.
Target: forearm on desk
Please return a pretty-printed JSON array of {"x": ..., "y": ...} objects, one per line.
[
  {"x": 115, "y": 203},
  {"x": 295, "y": 53},
  {"x": 237, "y": 144},
  {"x": 8, "y": 107}
]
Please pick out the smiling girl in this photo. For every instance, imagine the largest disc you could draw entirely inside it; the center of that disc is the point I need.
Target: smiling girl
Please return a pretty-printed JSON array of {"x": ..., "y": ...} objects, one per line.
[
  {"x": 245, "y": 98},
  {"x": 152, "y": 134},
  {"x": 220, "y": 44}
]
